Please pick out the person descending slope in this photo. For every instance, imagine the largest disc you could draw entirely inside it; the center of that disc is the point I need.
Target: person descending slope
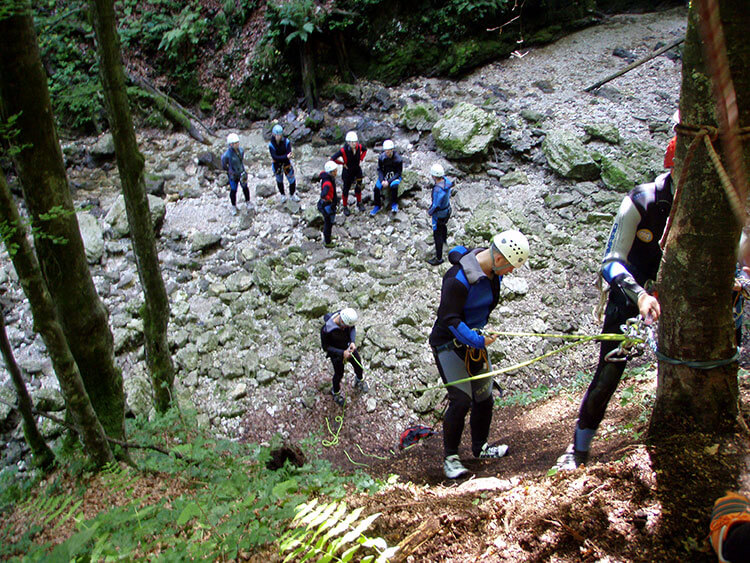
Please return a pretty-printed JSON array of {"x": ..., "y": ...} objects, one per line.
[{"x": 280, "y": 148}]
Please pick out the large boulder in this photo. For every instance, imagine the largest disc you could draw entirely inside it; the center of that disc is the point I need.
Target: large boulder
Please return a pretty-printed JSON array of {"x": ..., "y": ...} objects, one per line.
[
  {"x": 418, "y": 116},
  {"x": 118, "y": 218},
  {"x": 486, "y": 221},
  {"x": 466, "y": 131},
  {"x": 567, "y": 156},
  {"x": 92, "y": 235}
]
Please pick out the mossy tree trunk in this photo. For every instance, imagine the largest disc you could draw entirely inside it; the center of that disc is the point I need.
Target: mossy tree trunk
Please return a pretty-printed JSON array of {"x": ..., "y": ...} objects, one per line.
[
  {"x": 43, "y": 456},
  {"x": 130, "y": 165},
  {"x": 698, "y": 266},
  {"x": 307, "y": 68},
  {"x": 46, "y": 323},
  {"x": 23, "y": 90}
]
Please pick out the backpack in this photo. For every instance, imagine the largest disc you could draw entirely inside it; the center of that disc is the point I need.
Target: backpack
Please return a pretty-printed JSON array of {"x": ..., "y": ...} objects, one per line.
[{"x": 414, "y": 434}]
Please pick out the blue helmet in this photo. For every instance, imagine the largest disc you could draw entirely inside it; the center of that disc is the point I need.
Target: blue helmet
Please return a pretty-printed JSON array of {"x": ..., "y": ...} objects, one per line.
[{"x": 277, "y": 129}]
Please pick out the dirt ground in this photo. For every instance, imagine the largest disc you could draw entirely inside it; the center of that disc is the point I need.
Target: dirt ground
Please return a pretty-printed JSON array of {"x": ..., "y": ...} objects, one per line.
[{"x": 632, "y": 502}]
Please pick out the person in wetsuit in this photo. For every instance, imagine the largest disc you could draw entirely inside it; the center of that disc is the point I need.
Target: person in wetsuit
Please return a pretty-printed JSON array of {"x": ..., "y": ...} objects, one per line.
[{"x": 470, "y": 292}]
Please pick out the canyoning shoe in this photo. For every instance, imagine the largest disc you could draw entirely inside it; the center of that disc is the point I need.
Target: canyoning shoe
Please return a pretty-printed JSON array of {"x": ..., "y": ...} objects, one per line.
[
  {"x": 346, "y": 211},
  {"x": 338, "y": 398},
  {"x": 361, "y": 207},
  {"x": 492, "y": 452},
  {"x": 729, "y": 511},
  {"x": 294, "y": 197},
  {"x": 394, "y": 208},
  {"x": 453, "y": 468},
  {"x": 361, "y": 385},
  {"x": 571, "y": 459},
  {"x": 435, "y": 261},
  {"x": 282, "y": 198},
  {"x": 374, "y": 211},
  {"x": 234, "y": 210}
]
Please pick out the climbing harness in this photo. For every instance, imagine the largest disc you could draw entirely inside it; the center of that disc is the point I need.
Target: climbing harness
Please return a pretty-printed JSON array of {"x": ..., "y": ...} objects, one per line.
[{"x": 578, "y": 339}]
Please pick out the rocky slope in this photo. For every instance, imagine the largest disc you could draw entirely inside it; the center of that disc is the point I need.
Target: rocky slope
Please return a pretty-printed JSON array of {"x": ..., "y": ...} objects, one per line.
[{"x": 248, "y": 291}]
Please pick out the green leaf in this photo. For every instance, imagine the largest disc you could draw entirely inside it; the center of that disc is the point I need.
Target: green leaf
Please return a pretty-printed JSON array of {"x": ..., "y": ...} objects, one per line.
[{"x": 190, "y": 511}]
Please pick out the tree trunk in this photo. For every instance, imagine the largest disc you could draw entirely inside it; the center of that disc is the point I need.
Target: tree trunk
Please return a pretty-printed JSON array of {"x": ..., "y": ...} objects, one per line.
[
  {"x": 308, "y": 75},
  {"x": 46, "y": 324},
  {"x": 130, "y": 165},
  {"x": 699, "y": 261},
  {"x": 43, "y": 456},
  {"x": 23, "y": 90}
]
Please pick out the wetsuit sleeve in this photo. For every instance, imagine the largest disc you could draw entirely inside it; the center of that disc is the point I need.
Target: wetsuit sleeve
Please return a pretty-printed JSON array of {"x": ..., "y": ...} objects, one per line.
[
  {"x": 381, "y": 173},
  {"x": 225, "y": 161},
  {"x": 339, "y": 157},
  {"x": 363, "y": 152},
  {"x": 435, "y": 201},
  {"x": 353, "y": 334},
  {"x": 452, "y": 301},
  {"x": 614, "y": 265},
  {"x": 274, "y": 153}
]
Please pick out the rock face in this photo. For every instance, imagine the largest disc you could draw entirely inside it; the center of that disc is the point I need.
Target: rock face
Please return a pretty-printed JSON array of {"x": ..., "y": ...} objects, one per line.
[
  {"x": 567, "y": 156},
  {"x": 466, "y": 131}
]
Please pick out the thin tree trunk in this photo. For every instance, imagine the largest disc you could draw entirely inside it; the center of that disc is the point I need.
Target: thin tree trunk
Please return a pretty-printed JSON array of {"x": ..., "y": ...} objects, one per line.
[
  {"x": 130, "y": 165},
  {"x": 24, "y": 92},
  {"x": 308, "y": 75},
  {"x": 43, "y": 456},
  {"x": 46, "y": 324},
  {"x": 698, "y": 266}
]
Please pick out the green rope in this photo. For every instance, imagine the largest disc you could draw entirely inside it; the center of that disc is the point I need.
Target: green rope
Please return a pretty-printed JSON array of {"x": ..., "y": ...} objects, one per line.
[
  {"x": 354, "y": 462},
  {"x": 335, "y": 435},
  {"x": 371, "y": 455},
  {"x": 356, "y": 361}
]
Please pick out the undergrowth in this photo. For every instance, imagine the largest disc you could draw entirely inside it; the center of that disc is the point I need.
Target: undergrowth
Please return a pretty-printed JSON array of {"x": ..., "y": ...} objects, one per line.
[{"x": 218, "y": 502}]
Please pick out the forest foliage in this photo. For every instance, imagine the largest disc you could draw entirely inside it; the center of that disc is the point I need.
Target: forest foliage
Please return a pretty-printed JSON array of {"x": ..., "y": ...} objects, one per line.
[{"x": 251, "y": 47}]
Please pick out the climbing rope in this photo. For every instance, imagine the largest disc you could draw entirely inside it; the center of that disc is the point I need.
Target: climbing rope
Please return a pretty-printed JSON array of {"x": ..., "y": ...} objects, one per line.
[
  {"x": 334, "y": 435},
  {"x": 728, "y": 116}
]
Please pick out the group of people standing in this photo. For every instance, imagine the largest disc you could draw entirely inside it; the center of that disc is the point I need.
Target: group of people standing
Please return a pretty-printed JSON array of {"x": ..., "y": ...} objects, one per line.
[
  {"x": 349, "y": 157},
  {"x": 471, "y": 287}
]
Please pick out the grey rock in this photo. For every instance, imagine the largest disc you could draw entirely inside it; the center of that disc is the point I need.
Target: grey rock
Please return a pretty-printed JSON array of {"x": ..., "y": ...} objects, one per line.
[
  {"x": 265, "y": 376},
  {"x": 418, "y": 116},
  {"x": 603, "y": 132},
  {"x": 466, "y": 131},
  {"x": 567, "y": 156},
  {"x": 311, "y": 306},
  {"x": 238, "y": 392},
  {"x": 239, "y": 281},
  {"x": 487, "y": 220},
  {"x": 117, "y": 217},
  {"x": 103, "y": 148},
  {"x": 138, "y": 393},
  {"x": 92, "y": 235},
  {"x": 48, "y": 399},
  {"x": 201, "y": 241}
]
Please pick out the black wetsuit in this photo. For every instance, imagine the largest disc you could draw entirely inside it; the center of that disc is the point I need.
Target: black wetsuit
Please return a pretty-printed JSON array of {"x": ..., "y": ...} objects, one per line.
[
  {"x": 631, "y": 259},
  {"x": 334, "y": 341},
  {"x": 467, "y": 298}
]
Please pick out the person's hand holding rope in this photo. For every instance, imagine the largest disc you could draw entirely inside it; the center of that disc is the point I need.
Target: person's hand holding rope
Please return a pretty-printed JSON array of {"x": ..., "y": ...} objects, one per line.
[{"x": 489, "y": 339}]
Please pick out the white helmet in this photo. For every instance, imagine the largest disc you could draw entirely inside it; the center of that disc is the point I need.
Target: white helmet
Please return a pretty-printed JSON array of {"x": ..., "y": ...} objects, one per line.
[
  {"x": 330, "y": 166},
  {"x": 232, "y": 138},
  {"x": 388, "y": 145},
  {"x": 348, "y": 316},
  {"x": 351, "y": 137},
  {"x": 513, "y": 245},
  {"x": 436, "y": 170}
]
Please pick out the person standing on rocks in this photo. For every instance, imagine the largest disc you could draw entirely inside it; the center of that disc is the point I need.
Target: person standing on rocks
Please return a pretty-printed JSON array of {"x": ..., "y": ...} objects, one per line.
[
  {"x": 350, "y": 156},
  {"x": 470, "y": 292},
  {"x": 337, "y": 337},
  {"x": 440, "y": 210},
  {"x": 630, "y": 265},
  {"x": 328, "y": 200},
  {"x": 390, "y": 168},
  {"x": 231, "y": 161},
  {"x": 280, "y": 148}
]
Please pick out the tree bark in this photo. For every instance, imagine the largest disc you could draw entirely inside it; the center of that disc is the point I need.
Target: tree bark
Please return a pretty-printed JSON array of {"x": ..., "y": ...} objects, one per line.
[
  {"x": 130, "y": 164},
  {"x": 24, "y": 92},
  {"x": 698, "y": 265},
  {"x": 43, "y": 456},
  {"x": 46, "y": 324},
  {"x": 308, "y": 75}
]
